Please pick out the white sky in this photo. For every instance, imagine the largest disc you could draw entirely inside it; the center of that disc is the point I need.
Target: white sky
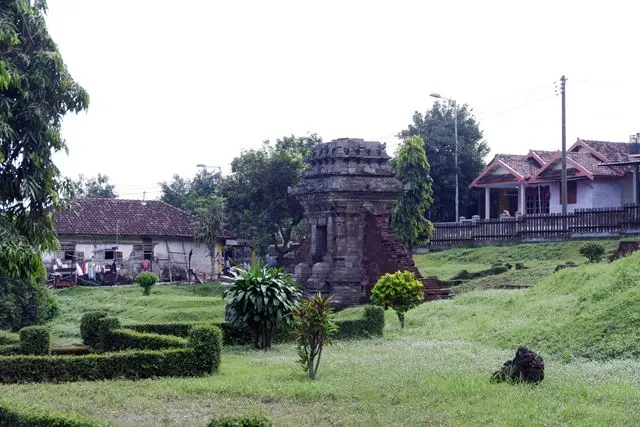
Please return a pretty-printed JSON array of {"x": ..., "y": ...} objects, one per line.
[{"x": 173, "y": 84}]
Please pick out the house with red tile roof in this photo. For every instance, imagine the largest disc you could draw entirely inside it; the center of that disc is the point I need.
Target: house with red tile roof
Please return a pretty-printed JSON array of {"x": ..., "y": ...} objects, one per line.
[
  {"x": 135, "y": 234},
  {"x": 599, "y": 175}
]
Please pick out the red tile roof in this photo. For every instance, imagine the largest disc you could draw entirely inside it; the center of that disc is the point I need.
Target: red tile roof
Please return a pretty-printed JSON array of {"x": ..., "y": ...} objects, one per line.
[
  {"x": 108, "y": 217},
  {"x": 592, "y": 164}
]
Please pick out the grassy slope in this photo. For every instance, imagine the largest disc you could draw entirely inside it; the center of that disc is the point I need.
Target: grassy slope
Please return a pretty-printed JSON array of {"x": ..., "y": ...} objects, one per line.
[
  {"x": 165, "y": 304},
  {"x": 434, "y": 372},
  {"x": 539, "y": 258}
]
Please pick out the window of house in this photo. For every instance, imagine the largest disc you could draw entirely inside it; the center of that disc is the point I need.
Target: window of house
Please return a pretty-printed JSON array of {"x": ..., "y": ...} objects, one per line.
[
  {"x": 145, "y": 249},
  {"x": 112, "y": 255},
  {"x": 69, "y": 251},
  {"x": 572, "y": 192}
]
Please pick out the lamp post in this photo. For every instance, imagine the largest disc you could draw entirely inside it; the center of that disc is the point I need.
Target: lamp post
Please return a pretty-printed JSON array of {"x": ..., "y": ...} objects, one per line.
[
  {"x": 455, "y": 130},
  {"x": 203, "y": 166}
]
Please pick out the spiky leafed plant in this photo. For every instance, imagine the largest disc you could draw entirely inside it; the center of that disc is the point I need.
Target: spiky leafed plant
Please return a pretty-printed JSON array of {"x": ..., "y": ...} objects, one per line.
[
  {"x": 262, "y": 299},
  {"x": 315, "y": 325}
]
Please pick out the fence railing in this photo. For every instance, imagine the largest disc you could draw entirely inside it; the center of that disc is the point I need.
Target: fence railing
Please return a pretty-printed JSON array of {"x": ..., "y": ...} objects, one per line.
[{"x": 580, "y": 223}]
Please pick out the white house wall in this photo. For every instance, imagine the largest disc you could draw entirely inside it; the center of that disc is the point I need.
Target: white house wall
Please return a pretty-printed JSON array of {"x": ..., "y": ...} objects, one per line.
[
  {"x": 91, "y": 247},
  {"x": 589, "y": 194}
]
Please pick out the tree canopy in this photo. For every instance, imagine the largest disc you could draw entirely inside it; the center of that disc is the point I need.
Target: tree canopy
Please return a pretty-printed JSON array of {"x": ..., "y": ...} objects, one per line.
[
  {"x": 436, "y": 127},
  {"x": 94, "y": 187},
  {"x": 410, "y": 214},
  {"x": 258, "y": 203},
  {"x": 36, "y": 91},
  {"x": 191, "y": 195}
]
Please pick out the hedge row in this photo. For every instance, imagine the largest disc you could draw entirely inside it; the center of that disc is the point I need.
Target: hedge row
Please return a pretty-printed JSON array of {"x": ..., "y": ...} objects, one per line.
[
  {"x": 202, "y": 356},
  {"x": 372, "y": 324},
  {"x": 231, "y": 334},
  {"x": 8, "y": 338},
  {"x": 124, "y": 339},
  {"x": 250, "y": 420},
  {"x": 29, "y": 417},
  {"x": 8, "y": 350}
]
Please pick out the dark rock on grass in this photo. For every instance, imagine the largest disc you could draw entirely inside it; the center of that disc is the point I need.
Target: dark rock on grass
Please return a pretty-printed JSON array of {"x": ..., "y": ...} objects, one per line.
[{"x": 527, "y": 366}]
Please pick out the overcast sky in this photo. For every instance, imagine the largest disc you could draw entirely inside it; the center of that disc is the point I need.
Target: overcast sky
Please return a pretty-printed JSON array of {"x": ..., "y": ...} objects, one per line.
[{"x": 173, "y": 84}]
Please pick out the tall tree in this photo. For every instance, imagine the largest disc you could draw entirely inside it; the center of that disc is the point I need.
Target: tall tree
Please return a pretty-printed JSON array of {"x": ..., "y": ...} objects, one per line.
[
  {"x": 436, "y": 127},
  {"x": 259, "y": 205},
  {"x": 94, "y": 187},
  {"x": 410, "y": 214},
  {"x": 191, "y": 195},
  {"x": 36, "y": 91},
  {"x": 212, "y": 221}
]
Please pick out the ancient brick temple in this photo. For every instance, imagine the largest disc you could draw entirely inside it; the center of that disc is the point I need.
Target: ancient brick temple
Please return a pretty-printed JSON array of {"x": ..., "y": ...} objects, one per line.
[{"x": 348, "y": 193}]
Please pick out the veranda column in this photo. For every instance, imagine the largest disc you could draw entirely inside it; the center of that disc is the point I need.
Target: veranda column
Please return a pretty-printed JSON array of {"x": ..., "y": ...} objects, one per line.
[
  {"x": 487, "y": 202},
  {"x": 521, "y": 200}
]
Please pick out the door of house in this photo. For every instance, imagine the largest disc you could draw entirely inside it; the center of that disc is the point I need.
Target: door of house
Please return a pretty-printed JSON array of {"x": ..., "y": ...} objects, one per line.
[{"x": 537, "y": 200}]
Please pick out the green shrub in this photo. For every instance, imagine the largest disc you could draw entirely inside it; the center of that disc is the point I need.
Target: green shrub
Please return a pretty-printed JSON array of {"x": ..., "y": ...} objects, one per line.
[
  {"x": 594, "y": 252},
  {"x": 105, "y": 366},
  {"x": 247, "y": 420},
  {"x": 146, "y": 280},
  {"x": 10, "y": 350},
  {"x": 8, "y": 338},
  {"x": 24, "y": 304},
  {"x": 206, "y": 344},
  {"x": 124, "y": 339},
  {"x": 35, "y": 340},
  {"x": 315, "y": 326},
  {"x": 372, "y": 324},
  {"x": 520, "y": 266},
  {"x": 105, "y": 326},
  {"x": 400, "y": 291},
  {"x": 232, "y": 334},
  {"x": 261, "y": 300},
  {"x": 89, "y": 327},
  {"x": 11, "y": 416}
]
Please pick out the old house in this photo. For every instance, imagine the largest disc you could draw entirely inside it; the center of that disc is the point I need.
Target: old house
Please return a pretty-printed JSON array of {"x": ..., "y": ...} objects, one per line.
[
  {"x": 599, "y": 175},
  {"x": 136, "y": 235}
]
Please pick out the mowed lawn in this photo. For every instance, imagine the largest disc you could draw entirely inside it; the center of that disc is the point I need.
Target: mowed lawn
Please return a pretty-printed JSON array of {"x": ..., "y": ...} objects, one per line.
[
  {"x": 434, "y": 372},
  {"x": 175, "y": 303}
]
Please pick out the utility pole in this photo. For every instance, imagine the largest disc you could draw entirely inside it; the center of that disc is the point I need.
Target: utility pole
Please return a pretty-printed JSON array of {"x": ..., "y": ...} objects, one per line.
[
  {"x": 455, "y": 130},
  {"x": 563, "y": 184}
]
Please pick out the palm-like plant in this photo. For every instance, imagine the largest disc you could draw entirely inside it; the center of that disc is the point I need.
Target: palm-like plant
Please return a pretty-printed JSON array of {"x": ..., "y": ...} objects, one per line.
[{"x": 261, "y": 299}]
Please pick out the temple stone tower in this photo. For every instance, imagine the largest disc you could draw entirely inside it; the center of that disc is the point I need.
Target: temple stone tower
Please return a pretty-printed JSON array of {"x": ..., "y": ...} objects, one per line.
[{"x": 348, "y": 193}]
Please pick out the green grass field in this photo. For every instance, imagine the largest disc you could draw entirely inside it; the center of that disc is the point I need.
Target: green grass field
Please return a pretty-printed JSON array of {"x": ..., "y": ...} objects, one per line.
[
  {"x": 539, "y": 258},
  {"x": 584, "y": 322},
  {"x": 165, "y": 304}
]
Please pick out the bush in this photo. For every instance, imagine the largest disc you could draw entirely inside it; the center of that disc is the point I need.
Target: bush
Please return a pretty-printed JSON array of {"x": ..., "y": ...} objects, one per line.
[
  {"x": 231, "y": 334},
  {"x": 399, "y": 291},
  {"x": 10, "y": 350},
  {"x": 8, "y": 338},
  {"x": 206, "y": 344},
  {"x": 315, "y": 326},
  {"x": 594, "y": 252},
  {"x": 35, "y": 340},
  {"x": 261, "y": 300},
  {"x": 520, "y": 266},
  {"x": 372, "y": 324},
  {"x": 124, "y": 339},
  {"x": 29, "y": 417},
  {"x": 89, "y": 327},
  {"x": 146, "y": 280},
  {"x": 106, "y": 366},
  {"x": 24, "y": 304},
  {"x": 241, "y": 421}
]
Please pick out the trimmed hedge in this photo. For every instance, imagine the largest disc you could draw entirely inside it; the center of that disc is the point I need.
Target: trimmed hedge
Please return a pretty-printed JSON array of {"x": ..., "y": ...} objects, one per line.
[
  {"x": 9, "y": 350},
  {"x": 201, "y": 357},
  {"x": 231, "y": 334},
  {"x": 89, "y": 327},
  {"x": 8, "y": 338},
  {"x": 125, "y": 339},
  {"x": 372, "y": 324},
  {"x": 35, "y": 340},
  {"x": 241, "y": 421},
  {"x": 31, "y": 417}
]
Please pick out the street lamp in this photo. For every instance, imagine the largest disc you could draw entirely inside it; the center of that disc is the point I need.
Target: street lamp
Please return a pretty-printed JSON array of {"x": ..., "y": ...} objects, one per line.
[
  {"x": 455, "y": 130},
  {"x": 200, "y": 165}
]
